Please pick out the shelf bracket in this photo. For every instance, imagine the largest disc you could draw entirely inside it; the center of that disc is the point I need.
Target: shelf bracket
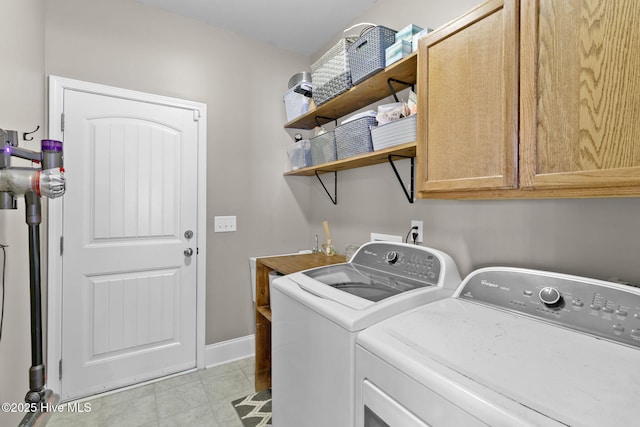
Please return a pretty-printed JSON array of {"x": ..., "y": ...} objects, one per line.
[
  {"x": 393, "y": 91},
  {"x": 328, "y": 119},
  {"x": 334, "y": 198},
  {"x": 408, "y": 194}
]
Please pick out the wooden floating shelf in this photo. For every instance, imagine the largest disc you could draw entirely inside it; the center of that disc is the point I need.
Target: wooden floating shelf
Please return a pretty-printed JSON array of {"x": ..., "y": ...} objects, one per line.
[
  {"x": 365, "y": 93},
  {"x": 366, "y": 159}
]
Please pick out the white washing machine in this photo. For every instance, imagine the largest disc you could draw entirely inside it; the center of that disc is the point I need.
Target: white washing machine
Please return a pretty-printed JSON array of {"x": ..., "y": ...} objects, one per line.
[
  {"x": 511, "y": 347},
  {"x": 317, "y": 314}
]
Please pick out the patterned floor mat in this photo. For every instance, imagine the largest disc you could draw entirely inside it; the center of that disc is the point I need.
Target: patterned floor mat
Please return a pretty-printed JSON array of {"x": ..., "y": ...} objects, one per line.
[{"x": 254, "y": 410}]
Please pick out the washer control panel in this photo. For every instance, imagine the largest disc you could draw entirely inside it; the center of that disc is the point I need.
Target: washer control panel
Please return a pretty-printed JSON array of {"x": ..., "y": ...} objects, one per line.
[
  {"x": 411, "y": 262},
  {"x": 608, "y": 310}
]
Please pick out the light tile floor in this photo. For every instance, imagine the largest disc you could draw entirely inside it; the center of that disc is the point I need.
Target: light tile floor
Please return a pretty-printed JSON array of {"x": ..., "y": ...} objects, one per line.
[{"x": 201, "y": 398}]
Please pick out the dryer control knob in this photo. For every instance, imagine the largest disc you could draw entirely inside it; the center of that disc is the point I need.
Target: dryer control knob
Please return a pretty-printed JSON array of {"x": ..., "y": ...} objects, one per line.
[
  {"x": 391, "y": 257},
  {"x": 549, "y": 295}
]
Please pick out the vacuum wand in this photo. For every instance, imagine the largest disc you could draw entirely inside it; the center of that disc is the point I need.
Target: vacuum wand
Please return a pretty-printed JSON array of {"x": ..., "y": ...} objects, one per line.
[
  {"x": 33, "y": 183},
  {"x": 37, "y": 375}
]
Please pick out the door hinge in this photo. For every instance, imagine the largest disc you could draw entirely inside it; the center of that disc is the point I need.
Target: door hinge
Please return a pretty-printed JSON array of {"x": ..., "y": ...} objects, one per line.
[
  {"x": 196, "y": 115},
  {"x": 62, "y": 122},
  {"x": 61, "y": 245},
  {"x": 60, "y": 370}
]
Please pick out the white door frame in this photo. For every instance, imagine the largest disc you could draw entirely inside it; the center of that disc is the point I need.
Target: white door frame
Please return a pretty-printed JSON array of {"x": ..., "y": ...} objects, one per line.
[{"x": 57, "y": 85}]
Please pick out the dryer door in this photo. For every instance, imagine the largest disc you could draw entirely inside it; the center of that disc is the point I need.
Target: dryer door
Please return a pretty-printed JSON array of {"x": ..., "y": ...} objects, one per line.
[{"x": 380, "y": 410}]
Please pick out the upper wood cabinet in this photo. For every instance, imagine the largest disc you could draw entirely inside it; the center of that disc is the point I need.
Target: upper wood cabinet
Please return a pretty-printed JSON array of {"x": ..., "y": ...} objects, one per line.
[
  {"x": 532, "y": 98},
  {"x": 580, "y": 94},
  {"x": 468, "y": 102}
]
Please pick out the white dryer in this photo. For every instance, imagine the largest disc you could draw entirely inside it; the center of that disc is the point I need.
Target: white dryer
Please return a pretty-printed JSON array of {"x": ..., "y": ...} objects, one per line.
[
  {"x": 511, "y": 347},
  {"x": 317, "y": 314}
]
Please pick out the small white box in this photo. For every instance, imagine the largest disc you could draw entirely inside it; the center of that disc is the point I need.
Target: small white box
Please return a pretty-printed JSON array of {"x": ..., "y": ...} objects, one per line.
[
  {"x": 407, "y": 32},
  {"x": 397, "y": 51}
]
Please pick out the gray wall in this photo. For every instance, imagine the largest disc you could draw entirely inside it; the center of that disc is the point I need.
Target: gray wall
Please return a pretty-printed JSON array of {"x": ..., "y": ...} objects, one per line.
[
  {"x": 21, "y": 108},
  {"x": 592, "y": 237}
]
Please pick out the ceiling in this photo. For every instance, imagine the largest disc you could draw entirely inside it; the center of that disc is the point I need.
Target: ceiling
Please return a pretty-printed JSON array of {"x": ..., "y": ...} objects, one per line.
[{"x": 301, "y": 26}]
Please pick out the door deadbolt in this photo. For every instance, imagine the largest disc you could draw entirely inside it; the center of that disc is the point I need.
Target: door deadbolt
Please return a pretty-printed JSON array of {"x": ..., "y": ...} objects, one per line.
[
  {"x": 188, "y": 234},
  {"x": 188, "y": 252}
]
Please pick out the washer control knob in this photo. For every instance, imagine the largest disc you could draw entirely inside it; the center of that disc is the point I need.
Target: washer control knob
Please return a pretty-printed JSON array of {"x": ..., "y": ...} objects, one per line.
[
  {"x": 549, "y": 295},
  {"x": 392, "y": 257}
]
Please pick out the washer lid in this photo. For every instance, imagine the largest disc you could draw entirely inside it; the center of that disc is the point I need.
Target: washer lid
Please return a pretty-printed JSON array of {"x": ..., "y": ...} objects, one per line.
[
  {"x": 364, "y": 282},
  {"x": 527, "y": 366}
]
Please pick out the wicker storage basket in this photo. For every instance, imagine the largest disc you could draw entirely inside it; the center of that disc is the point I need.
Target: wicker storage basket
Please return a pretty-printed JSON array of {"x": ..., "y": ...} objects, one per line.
[
  {"x": 367, "y": 54},
  {"x": 354, "y": 137},
  {"x": 330, "y": 74},
  {"x": 323, "y": 148}
]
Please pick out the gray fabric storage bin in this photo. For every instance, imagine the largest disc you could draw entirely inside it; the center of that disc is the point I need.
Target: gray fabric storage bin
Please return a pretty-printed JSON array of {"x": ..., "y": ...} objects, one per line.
[
  {"x": 323, "y": 148},
  {"x": 330, "y": 74},
  {"x": 354, "y": 137},
  {"x": 367, "y": 54}
]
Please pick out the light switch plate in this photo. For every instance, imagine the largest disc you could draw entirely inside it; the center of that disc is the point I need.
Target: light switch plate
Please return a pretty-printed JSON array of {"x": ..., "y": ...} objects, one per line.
[{"x": 224, "y": 224}]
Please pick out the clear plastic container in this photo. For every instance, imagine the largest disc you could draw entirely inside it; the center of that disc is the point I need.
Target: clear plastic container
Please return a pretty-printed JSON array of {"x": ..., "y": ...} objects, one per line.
[{"x": 299, "y": 154}]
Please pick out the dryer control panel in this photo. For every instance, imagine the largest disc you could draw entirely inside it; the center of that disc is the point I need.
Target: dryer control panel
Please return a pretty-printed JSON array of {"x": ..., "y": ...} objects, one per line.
[{"x": 605, "y": 309}]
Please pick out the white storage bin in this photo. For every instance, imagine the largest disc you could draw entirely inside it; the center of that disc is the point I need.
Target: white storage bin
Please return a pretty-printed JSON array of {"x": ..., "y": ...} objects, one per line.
[
  {"x": 394, "y": 133},
  {"x": 296, "y": 104}
]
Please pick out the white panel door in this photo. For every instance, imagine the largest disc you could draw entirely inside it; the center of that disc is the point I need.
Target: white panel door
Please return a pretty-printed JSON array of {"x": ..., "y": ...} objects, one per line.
[{"x": 129, "y": 289}]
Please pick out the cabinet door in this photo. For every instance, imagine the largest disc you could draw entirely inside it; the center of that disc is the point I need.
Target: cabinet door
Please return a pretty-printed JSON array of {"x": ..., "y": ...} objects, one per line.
[
  {"x": 580, "y": 94},
  {"x": 468, "y": 97}
]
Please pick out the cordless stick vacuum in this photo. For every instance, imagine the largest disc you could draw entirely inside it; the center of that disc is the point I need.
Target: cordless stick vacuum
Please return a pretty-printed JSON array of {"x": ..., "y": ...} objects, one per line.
[{"x": 48, "y": 181}]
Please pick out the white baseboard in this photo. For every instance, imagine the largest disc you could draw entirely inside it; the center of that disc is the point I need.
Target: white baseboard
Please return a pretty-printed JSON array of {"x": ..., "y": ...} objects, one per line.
[{"x": 229, "y": 351}]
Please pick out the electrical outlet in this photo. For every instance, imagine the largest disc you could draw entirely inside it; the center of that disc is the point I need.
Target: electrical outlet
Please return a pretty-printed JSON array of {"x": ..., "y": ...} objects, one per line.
[
  {"x": 223, "y": 224},
  {"x": 419, "y": 224}
]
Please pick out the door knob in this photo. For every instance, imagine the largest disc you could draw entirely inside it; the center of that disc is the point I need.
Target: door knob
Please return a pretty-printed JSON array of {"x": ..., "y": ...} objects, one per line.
[{"x": 188, "y": 252}]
